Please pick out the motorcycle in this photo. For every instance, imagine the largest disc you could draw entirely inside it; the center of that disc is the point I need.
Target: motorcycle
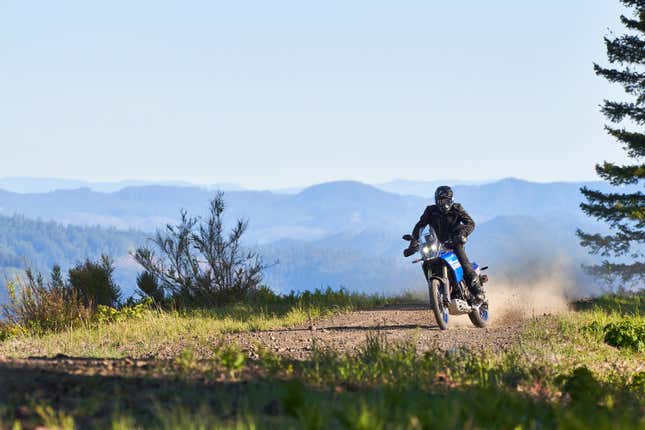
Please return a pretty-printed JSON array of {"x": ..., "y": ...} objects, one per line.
[{"x": 449, "y": 294}]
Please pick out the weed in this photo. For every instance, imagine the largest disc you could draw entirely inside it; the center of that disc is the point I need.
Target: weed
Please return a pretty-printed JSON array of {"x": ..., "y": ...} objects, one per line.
[
  {"x": 361, "y": 417},
  {"x": 230, "y": 357},
  {"x": 627, "y": 333},
  {"x": 122, "y": 422},
  {"x": 200, "y": 419},
  {"x": 273, "y": 363},
  {"x": 54, "y": 420},
  {"x": 186, "y": 360},
  {"x": 108, "y": 314},
  {"x": 375, "y": 345}
]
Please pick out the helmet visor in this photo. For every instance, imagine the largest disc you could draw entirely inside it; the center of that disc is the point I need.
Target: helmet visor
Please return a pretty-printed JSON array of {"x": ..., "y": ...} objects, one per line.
[{"x": 444, "y": 203}]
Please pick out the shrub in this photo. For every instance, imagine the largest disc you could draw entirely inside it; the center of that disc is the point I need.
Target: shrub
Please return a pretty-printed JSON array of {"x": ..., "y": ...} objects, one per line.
[
  {"x": 7, "y": 331},
  {"x": 40, "y": 306},
  {"x": 199, "y": 263},
  {"x": 149, "y": 285},
  {"x": 93, "y": 282},
  {"x": 628, "y": 333}
]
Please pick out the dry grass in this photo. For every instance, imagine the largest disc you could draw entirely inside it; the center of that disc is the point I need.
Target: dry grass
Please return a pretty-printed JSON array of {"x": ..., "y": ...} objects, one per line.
[
  {"x": 159, "y": 334},
  {"x": 38, "y": 308}
]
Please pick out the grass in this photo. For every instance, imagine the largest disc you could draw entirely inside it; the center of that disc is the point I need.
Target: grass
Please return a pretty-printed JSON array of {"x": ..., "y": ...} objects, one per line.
[
  {"x": 561, "y": 374},
  {"x": 161, "y": 333},
  {"x": 153, "y": 332},
  {"x": 626, "y": 303}
]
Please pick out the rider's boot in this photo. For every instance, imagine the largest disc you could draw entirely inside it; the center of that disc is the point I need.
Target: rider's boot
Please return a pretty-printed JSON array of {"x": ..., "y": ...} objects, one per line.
[{"x": 477, "y": 291}]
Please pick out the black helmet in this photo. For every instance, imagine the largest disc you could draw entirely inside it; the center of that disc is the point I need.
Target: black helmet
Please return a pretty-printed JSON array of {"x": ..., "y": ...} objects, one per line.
[{"x": 443, "y": 198}]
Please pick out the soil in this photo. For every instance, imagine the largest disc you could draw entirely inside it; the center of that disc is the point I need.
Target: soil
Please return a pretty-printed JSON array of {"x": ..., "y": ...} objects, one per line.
[
  {"x": 347, "y": 332},
  {"x": 342, "y": 332}
]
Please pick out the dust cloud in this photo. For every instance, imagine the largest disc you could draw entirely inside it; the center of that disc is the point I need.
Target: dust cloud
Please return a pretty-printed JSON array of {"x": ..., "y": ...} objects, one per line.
[
  {"x": 536, "y": 288},
  {"x": 530, "y": 288},
  {"x": 509, "y": 302}
]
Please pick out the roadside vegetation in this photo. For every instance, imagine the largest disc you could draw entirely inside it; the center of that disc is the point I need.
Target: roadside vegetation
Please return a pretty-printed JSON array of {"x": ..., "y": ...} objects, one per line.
[
  {"x": 562, "y": 373},
  {"x": 144, "y": 329},
  {"x": 193, "y": 266}
]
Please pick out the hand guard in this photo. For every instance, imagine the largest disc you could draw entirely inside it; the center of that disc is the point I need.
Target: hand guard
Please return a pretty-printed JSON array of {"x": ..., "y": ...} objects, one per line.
[{"x": 414, "y": 246}]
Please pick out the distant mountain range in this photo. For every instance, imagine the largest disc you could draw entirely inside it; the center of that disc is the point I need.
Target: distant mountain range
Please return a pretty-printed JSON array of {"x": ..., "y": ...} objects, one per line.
[
  {"x": 422, "y": 188},
  {"x": 45, "y": 185},
  {"x": 312, "y": 213},
  {"x": 339, "y": 233}
]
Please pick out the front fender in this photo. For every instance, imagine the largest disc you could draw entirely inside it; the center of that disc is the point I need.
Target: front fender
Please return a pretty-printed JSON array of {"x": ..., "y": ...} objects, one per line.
[{"x": 445, "y": 284}]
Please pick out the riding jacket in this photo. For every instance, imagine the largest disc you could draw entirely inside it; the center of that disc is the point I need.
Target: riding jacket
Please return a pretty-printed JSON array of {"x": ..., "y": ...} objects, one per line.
[{"x": 447, "y": 225}]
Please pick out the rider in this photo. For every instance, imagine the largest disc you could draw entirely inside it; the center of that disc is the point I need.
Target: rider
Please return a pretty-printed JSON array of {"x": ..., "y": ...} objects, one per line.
[{"x": 451, "y": 223}]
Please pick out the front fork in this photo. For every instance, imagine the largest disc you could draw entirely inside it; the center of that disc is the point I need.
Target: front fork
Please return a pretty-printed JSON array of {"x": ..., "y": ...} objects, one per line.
[{"x": 445, "y": 283}]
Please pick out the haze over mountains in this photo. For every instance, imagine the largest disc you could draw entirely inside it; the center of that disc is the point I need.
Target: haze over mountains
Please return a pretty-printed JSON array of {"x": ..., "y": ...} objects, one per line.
[
  {"x": 333, "y": 234},
  {"x": 44, "y": 185}
]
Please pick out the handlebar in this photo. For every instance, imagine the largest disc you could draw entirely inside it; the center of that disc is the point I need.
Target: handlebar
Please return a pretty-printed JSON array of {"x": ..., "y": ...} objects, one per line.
[
  {"x": 410, "y": 251},
  {"x": 414, "y": 247}
]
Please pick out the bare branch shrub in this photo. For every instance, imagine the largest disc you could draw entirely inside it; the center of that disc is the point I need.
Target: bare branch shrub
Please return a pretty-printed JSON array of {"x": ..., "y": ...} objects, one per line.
[{"x": 197, "y": 263}]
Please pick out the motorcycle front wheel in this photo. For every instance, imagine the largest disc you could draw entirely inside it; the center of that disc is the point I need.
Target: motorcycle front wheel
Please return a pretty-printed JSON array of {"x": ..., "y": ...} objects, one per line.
[
  {"x": 479, "y": 315},
  {"x": 436, "y": 304}
]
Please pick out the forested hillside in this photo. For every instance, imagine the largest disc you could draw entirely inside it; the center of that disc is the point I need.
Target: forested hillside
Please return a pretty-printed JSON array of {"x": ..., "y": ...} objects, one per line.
[{"x": 40, "y": 245}]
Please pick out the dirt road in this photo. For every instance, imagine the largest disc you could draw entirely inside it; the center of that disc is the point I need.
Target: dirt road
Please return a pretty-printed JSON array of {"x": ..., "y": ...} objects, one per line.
[
  {"x": 346, "y": 332},
  {"x": 343, "y": 332}
]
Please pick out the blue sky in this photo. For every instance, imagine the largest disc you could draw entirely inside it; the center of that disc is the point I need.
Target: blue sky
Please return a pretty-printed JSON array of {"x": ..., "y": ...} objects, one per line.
[{"x": 285, "y": 93}]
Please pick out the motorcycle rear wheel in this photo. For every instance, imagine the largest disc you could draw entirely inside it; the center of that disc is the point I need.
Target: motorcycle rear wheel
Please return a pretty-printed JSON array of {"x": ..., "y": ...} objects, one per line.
[{"x": 436, "y": 304}]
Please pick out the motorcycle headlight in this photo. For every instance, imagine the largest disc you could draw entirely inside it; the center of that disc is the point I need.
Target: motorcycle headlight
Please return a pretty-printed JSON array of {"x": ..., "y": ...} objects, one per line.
[{"x": 429, "y": 249}]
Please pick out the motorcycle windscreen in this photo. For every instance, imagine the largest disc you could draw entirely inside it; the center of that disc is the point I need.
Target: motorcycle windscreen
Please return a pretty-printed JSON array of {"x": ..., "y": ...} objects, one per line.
[
  {"x": 453, "y": 263},
  {"x": 429, "y": 236}
]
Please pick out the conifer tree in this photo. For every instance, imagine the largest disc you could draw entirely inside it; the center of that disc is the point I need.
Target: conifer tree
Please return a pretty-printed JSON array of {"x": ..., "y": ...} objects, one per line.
[{"x": 624, "y": 211}]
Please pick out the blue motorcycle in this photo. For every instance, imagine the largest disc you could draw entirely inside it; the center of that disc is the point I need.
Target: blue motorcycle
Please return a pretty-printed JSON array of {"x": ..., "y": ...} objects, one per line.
[{"x": 449, "y": 294}]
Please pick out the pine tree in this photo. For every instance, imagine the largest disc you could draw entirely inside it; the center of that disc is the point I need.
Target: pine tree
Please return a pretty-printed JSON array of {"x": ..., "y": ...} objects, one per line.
[{"x": 624, "y": 212}]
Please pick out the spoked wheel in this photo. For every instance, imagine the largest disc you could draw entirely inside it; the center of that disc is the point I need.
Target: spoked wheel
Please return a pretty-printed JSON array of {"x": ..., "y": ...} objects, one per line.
[
  {"x": 437, "y": 304},
  {"x": 479, "y": 315}
]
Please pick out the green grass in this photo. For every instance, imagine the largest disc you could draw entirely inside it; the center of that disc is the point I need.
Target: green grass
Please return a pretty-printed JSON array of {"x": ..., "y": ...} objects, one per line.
[
  {"x": 381, "y": 386},
  {"x": 626, "y": 303},
  {"x": 153, "y": 332},
  {"x": 159, "y": 332},
  {"x": 561, "y": 374}
]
